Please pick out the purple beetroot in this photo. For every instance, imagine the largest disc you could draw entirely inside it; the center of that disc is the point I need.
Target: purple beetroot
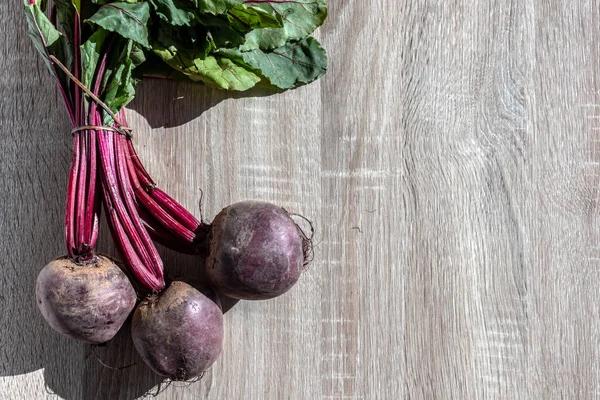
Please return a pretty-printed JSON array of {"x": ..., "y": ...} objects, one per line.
[
  {"x": 256, "y": 251},
  {"x": 89, "y": 303},
  {"x": 178, "y": 333}
]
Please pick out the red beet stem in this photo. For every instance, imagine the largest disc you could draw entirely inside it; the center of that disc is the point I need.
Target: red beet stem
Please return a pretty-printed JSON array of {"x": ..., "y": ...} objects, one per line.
[
  {"x": 167, "y": 212},
  {"x": 154, "y": 209},
  {"x": 164, "y": 237},
  {"x": 83, "y": 198},
  {"x": 77, "y": 69},
  {"x": 80, "y": 198},
  {"x": 70, "y": 215},
  {"x": 135, "y": 248},
  {"x": 132, "y": 261},
  {"x": 175, "y": 209},
  {"x": 91, "y": 207},
  {"x": 142, "y": 174},
  {"x": 105, "y": 166},
  {"x": 128, "y": 196},
  {"x": 83, "y": 203}
]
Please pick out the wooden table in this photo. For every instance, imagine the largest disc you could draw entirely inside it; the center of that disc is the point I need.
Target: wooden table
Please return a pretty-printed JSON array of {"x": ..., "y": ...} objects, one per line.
[{"x": 450, "y": 162}]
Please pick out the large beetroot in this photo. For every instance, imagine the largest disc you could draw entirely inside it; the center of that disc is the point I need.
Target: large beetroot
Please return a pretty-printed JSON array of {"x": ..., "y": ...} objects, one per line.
[{"x": 89, "y": 303}]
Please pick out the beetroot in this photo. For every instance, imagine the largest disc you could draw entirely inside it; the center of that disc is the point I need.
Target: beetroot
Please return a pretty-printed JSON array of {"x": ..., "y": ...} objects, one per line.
[
  {"x": 89, "y": 303},
  {"x": 256, "y": 251},
  {"x": 178, "y": 333}
]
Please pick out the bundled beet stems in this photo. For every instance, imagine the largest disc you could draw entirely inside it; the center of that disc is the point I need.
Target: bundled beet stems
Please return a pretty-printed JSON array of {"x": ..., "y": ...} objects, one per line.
[{"x": 98, "y": 51}]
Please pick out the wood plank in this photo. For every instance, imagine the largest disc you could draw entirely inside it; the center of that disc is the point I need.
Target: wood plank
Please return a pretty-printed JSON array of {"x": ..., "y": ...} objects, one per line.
[{"x": 449, "y": 162}]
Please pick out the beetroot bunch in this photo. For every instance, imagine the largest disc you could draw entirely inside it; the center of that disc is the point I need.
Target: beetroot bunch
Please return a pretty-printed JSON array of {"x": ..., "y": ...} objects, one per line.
[{"x": 97, "y": 51}]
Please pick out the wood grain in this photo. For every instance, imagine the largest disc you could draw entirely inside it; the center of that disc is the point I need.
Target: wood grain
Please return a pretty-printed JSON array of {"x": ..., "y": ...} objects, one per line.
[{"x": 450, "y": 163}]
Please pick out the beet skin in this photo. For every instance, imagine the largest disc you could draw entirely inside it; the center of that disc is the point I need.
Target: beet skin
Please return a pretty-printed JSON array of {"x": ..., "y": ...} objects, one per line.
[
  {"x": 89, "y": 303},
  {"x": 178, "y": 333},
  {"x": 256, "y": 251}
]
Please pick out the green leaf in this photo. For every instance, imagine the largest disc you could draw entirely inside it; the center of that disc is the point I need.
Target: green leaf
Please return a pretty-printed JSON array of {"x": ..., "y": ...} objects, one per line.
[
  {"x": 48, "y": 41},
  {"x": 215, "y": 7},
  {"x": 128, "y": 20},
  {"x": 65, "y": 13},
  {"x": 208, "y": 20},
  {"x": 120, "y": 90},
  {"x": 118, "y": 83},
  {"x": 290, "y": 65},
  {"x": 191, "y": 39},
  {"x": 229, "y": 30},
  {"x": 225, "y": 37},
  {"x": 137, "y": 56},
  {"x": 300, "y": 19},
  {"x": 220, "y": 31},
  {"x": 245, "y": 18},
  {"x": 215, "y": 71},
  {"x": 174, "y": 12},
  {"x": 156, "y": 68},
  {"x": 90, "y": 55}
]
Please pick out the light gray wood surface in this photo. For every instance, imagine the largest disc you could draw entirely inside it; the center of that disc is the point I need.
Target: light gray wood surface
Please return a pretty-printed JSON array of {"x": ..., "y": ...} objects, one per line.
[{"x": 450, "y": 161}]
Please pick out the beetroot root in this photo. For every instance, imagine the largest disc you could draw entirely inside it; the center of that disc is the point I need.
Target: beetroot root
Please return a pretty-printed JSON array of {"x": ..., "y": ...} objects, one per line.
[
  {"x": 256, "y": 251},
  {"x": 89, "y": 303},
  {"x": 178, "y": 333}
]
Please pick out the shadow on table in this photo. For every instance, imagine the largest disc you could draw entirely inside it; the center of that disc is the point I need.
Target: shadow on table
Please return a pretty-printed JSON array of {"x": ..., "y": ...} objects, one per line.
[
  {"x": 110, "y": 371},
  {"x": 166, "y": 103}
]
